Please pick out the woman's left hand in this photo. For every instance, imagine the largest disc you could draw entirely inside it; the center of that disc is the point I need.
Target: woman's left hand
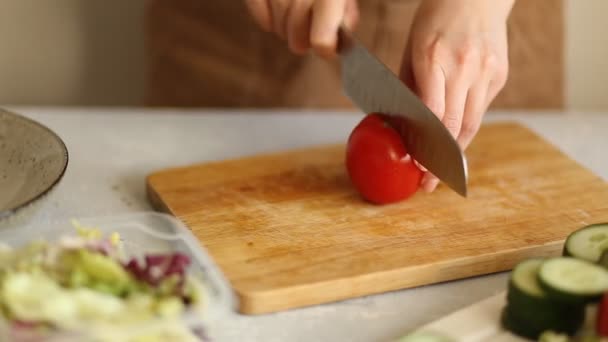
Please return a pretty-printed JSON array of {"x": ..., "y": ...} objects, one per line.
[{"x": 456, "y": 60}]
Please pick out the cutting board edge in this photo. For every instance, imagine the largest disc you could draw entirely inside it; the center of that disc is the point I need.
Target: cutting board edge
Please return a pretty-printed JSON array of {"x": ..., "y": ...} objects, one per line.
[
  {"x": 155, "y": 200},
  {"x": 278, "y": 152},
  {"x": 318, "y": 293}
]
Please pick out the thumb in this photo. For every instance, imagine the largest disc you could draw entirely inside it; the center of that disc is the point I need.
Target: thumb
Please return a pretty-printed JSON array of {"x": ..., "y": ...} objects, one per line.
[
  {"x": 406, "y": 73},
  {"x": 351, "y": 15}
]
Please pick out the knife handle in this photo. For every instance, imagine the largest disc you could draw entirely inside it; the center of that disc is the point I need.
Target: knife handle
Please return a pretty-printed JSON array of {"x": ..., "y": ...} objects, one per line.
[{"x": 346, "y": 39}]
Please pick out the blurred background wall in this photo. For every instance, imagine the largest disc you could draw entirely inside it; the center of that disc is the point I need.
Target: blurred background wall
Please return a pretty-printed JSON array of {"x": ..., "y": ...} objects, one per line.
[
  {"x": 79, "y": 52},
  {"x": 71, "y": 52},
  {"x": 587, "y": 54}
]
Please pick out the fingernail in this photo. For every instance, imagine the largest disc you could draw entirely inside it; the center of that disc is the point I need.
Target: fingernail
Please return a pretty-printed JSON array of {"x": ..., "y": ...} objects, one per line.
[
  {"x": 430, "y": 185},
  {"x": 422, "y": 168},
  {"x": 325, "y": 48}
]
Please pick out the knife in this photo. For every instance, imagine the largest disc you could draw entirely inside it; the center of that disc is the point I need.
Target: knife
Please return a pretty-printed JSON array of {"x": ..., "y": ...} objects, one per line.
[{"x": 374, "y": 88}]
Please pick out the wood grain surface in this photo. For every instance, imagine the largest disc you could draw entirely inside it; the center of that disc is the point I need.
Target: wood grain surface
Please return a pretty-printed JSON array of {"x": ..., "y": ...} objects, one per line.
[
  {"x": 212, "y": 54},
  {"x": 288, "y": 230}
]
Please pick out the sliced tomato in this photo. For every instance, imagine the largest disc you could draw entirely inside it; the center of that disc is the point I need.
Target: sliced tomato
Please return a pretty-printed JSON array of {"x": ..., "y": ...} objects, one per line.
[{"x": 378, "y": 163}]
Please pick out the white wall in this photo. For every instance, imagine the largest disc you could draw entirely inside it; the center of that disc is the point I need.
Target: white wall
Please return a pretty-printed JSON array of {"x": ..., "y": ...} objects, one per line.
[
  {"x": 86, "y": 52},
  {"x": 587, "y": 54}
]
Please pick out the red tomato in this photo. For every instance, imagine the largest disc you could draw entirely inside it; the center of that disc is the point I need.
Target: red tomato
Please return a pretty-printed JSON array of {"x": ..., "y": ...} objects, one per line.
[
  {"x": 601, "y": 322},
  {"x": 378, "y": 164}
]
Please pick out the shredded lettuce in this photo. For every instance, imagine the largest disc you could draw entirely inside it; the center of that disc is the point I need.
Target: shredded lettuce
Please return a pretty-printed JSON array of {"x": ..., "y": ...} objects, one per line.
[{"x": 85, "y": 281}]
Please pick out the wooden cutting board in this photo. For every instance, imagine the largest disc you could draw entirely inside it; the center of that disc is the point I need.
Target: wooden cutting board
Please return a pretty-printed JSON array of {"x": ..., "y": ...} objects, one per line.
[{"x": 288, "y": 230}]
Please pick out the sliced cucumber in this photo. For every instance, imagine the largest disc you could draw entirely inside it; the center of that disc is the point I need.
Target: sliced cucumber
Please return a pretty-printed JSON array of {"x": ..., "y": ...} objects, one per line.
[
  {"x": 604, "y": 259},
  {"x": 524, "y": 291},
  {"x": 518, "y": 326},
  {"x": 524, "y": 279},
  {"x": 557, "y": 316},
  {"x": 587, "y": 243},
  {"x": 533, "y": 326},
  {"x": 571, "y": 280},
  {"x": 552, "y": 336},
  {"x": 531, "y": 311}
]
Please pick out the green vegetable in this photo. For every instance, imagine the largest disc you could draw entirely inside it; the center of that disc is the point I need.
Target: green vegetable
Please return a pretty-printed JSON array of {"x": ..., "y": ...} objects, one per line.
[
  {"x": 97, "y": 271},
  {"x": 71, "y": 286},
  {"x": 604, "y": 259},
  {"x": 547, "y": 298},
  {"x": 170, "y": 307},
  {"x": 572, "y": 280},
  {"x": 102, "y": 268},
  {"x": 551, "y": 336},
  {"x": 530, "y": 311},
  {"x": 587, "y": 243}
]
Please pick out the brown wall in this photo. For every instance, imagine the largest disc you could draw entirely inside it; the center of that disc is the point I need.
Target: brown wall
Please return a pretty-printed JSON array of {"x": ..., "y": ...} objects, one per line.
[
  {"x": 199, "y": 58},
  {"x": 73, "y": 52}
]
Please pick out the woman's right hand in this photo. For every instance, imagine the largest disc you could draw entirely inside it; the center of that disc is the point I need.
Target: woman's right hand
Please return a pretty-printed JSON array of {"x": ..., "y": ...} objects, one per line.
[{"x": 306, "y": 24}]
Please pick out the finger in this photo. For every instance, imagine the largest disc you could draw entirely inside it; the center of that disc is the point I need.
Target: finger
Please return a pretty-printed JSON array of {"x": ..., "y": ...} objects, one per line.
[
  {"x": 429, "y": 182},
  {"x": 326, "y": 19},
  {"x": 260, "y": 11},
  {"x": 457, "y": 90},
  {"x": 280, "y": 8},
  {"x": 418, "y": 165},
  {"x": 298, "y": 26},
  {"x": 475, "y": 108},
  {"x": 424, "y": 75},
  {"x": 406, "y": 72},
  {"x": 494, "y": 88},
  {"x": 351, "y": 15},
  {"x": 430, "y": 80}
]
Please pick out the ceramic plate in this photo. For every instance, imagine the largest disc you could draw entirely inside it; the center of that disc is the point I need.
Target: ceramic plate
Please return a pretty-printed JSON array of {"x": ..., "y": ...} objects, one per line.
[{"x": 33, "y": 160}]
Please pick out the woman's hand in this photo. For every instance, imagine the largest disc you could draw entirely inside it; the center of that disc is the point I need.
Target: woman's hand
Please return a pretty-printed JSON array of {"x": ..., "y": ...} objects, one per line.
[
  {"x": 306, "y": 24},
  {"x": 456, "y": 60}
]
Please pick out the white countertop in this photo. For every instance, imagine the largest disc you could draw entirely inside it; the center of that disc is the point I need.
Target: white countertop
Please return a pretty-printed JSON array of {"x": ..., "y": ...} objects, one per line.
[{"x": 112, "y": 150}]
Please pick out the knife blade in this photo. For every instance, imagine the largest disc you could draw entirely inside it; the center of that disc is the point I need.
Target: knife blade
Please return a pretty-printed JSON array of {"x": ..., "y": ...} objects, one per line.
[{"x": 374, "y": 88}]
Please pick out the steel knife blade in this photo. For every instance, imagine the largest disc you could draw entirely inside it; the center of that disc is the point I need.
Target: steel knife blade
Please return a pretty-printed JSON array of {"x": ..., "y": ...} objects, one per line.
[{"x": 374, "y": 88}]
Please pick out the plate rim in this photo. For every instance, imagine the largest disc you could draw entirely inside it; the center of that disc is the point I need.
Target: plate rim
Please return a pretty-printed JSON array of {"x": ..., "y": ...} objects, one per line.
[{"x": 8, "y": 212}]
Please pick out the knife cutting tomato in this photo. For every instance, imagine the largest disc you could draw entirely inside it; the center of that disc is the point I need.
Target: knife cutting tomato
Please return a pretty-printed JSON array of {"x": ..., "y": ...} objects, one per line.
[{"x": 378, "y": 163}]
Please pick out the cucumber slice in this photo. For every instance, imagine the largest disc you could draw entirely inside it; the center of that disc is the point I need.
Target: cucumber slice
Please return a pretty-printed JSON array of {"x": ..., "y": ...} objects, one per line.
[
  {"x": 552, "y": 336},
  {"x": 572, "y": 280},
  {"x": 563, "y": 318},
  {"x": 524, "y": 279},
  {"x": 519, "y": 327},
  {"x": 604, "y": 259},
  {"x": 533, "y": 326},
  {"x": 524, "y": 291},
  {"x": 587, "y": 243},
  {"x": 530, "y": 311}
]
